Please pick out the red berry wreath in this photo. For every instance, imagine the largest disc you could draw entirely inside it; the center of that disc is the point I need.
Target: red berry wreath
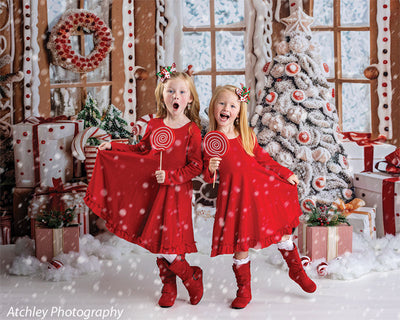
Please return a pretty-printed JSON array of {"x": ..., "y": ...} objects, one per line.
[{"x": 70, "y": 23}]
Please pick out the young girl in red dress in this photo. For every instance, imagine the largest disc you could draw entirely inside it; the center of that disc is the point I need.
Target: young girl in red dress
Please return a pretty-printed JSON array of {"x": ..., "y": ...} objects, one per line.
[
  {"x": 257, "y": 202},
  {"x": 148, "y": 206}
]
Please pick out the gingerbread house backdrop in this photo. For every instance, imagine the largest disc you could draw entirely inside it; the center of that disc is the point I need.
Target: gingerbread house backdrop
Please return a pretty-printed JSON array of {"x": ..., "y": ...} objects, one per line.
[{"x": 57, "y": 55}]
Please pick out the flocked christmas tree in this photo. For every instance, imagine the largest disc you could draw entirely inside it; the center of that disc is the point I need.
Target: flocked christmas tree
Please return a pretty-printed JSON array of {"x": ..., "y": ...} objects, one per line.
[
  {"x": 90, "y": 113},
  {"x": 297, "y": 123},
  {"x": 113, "y": 123}
]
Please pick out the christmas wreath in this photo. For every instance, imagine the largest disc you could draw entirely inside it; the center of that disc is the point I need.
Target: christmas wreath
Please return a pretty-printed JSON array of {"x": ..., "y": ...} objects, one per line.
[{"x": 71, "y": 23}]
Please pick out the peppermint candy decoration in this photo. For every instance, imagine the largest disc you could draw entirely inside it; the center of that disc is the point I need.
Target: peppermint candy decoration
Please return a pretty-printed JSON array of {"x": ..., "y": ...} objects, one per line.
[
  {"x": 319, "y": 183},
  {"x": 305, "y": 261},
  {"x": 55, "y": 264},
  {"x": 140, "y": 126},
  {"x": 271, "y": 97},
  {"x": 292, "y": 69},
  {"x": 328, "y": 108},
  {"x": 325, "y": 67},
  {"x": 216, "y": 144},
  {"x": 304, "y": 137},
  {"x": 298, "y": 96},
  {"x": 347, "y": 194},
  {"x": 162, "y": 139},
  {"x": 307, "y": 204},
  {"x": 322, "y": 269}
]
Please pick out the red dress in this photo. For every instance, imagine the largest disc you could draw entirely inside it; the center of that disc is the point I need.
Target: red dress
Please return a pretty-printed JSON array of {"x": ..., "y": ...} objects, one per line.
[
  {"x": 125, "y": 193},
  {"x": 256, "y": 205}
]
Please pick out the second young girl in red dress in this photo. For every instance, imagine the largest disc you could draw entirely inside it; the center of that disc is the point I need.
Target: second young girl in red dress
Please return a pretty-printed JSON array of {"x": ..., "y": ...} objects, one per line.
[
  {"x": 257, "y": 202},
  {"x": 148, "y": 206}
]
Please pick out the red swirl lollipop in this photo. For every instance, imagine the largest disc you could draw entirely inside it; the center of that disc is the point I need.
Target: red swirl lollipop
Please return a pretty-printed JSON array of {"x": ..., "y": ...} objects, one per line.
[
  {"x": 216, "y": 144},
  {"x": 162, "y": 139}
]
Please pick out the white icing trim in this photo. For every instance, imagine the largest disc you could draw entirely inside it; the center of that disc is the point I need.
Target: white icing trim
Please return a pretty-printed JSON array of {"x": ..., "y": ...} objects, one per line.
[
  {"x": 26, "y": 7},
  {"x": 161, "y": 23},
  {"x": 129, "y": 64},
  {"x": 35, "y": 84},
  {"x": 384, "y": 67},
  {"x": 261, "y": 46}
]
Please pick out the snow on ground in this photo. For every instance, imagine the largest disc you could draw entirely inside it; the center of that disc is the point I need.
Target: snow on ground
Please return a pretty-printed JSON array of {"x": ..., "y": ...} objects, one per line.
[{"x": 110, "y": 275}]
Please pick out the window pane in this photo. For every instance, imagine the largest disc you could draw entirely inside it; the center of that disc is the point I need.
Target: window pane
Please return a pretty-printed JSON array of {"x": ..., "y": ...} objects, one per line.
[
  {"x": 356, "y": 107},
  {"x": 61, "y": 75},
  {"x": 323, "y": 13},
  {"x": 355, "y": 53},
  {"x": 102, "y": 95},
  {"x": 230, "y": 50},
  {"x": 55, "y": 9},
  {"x": 196, "y": 50},
  {"x": 235, "y": 80},
  {"x": 324, "y": 42},
  {"x": 65, "y": 101},
  {"x": 229, "y": 12},
  {"x": 354, "y": 12},
  {"x": 196, "y": 13},
  {"x": 203, "y": 87}
]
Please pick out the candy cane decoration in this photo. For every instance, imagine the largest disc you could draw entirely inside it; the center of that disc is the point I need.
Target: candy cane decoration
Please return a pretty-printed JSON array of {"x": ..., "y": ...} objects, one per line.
[
  {"x": 162, "y": 139},
  {"x": 216, "y": 144},
  {"x": 79, "y": 142}
]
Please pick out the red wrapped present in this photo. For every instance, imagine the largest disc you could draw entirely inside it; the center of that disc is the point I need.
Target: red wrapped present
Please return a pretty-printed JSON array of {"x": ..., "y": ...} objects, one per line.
[
  {"x": 324, "y": 242},
  {"x": 363, "y": 153},
  {"x": 5, "y": 229},
  {"x": 59, "y": 197},
  {"x": 42, "y": 150},
  {"x": 51, "y": 242},
  {"x": 381, "y": 191}
]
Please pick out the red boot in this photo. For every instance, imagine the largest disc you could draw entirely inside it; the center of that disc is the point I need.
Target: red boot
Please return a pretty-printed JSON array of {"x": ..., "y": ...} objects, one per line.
[
  {"x": 168, "y": 278},
  {"x": 192, "y": 278},
  {"x": 243, "y": 279},
  {"x": 296, "y": 271}
]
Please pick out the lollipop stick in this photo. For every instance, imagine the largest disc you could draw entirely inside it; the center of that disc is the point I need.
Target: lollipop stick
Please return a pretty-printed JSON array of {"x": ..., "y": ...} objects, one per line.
[
  {"x": 160, "y": 159},
  {"x": 215, "y": 174}
]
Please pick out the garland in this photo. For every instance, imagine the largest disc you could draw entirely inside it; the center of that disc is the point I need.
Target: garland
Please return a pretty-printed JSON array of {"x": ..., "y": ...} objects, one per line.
[{"x": 71, "y": 23}]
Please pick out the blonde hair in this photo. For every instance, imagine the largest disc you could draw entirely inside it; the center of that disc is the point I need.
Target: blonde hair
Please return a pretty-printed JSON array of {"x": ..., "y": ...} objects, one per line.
[
  {"x": 247, "y": 135},
  {"x": 193, "y": 112}
]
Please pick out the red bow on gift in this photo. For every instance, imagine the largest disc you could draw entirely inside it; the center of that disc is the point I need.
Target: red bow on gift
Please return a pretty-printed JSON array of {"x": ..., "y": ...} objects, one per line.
[
  {"x": 392, "y": 162},
  {"x": 58, "y": 189}
]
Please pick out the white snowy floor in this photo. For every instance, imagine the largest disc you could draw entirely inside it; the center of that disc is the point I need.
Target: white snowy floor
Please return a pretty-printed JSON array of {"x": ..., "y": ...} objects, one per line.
[{"x": 131, "y": 284}]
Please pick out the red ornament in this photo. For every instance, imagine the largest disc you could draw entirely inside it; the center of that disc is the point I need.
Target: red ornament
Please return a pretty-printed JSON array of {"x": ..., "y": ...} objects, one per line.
[
  {"x": 271, "y": 97},
  {"x": 292, "y": 69},
  {"x": 298, "y": 96},
  {"x": 303, "y": 137},
  {"x": 326, "y": 67},
  {"x": 305, "y": 261}
]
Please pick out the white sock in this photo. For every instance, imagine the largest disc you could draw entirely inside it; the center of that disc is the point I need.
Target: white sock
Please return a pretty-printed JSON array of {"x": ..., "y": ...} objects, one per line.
[
  {"x": 239, "y": 262},
  {"x": 286, "y": 245},
  {"x": 169, "y": 257}
]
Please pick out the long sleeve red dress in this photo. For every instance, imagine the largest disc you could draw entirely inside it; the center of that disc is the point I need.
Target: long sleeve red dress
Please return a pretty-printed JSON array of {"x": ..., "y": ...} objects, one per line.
[
  {"x": 125, "y": 193},
  {"x": 256, "y": 205}
]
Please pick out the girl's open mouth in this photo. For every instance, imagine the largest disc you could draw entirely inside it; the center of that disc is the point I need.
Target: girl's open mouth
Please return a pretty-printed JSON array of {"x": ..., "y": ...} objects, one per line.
[{"x": 175, "y": 106}]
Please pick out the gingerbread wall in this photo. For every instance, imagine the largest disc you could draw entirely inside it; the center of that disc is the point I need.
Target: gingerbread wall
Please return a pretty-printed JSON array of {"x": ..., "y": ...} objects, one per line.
[{"x": 145, "y": 51}]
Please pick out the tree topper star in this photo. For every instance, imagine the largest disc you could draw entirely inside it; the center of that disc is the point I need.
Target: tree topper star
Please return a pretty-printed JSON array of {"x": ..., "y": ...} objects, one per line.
[{"x": 297, "y": 22}]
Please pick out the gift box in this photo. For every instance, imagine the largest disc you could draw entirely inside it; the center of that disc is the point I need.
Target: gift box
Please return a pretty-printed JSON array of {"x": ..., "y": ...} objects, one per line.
[
  {"x": 382, "y": 192},
  {"x": 363, "y": 221},
  {"x": 60, "y": 197},
  {"x": 5, "y": 229},
  {"x": 42, "y": 150},
  {"x": 324, "y": 242},
  {"x": 51, "y": 242},
  {"x": 364, "y": 157},
  {"x": 21, "y": 221}
]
